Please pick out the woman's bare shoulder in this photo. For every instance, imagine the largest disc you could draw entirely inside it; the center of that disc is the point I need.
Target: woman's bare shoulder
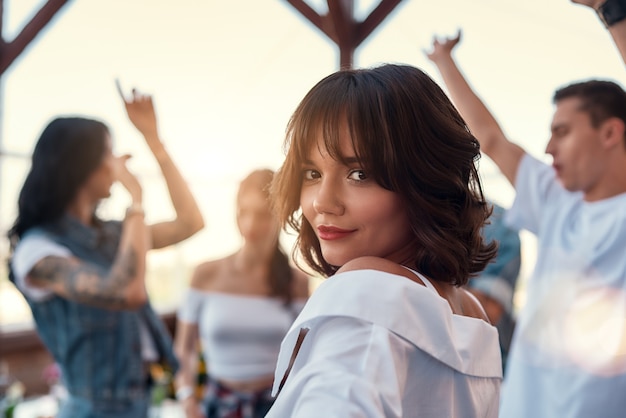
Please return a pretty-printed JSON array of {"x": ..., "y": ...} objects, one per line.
[
  {"x": 380, "y": 264},
  {"x": 206, "y": 273},
  {"x": 472, "y": 306}
]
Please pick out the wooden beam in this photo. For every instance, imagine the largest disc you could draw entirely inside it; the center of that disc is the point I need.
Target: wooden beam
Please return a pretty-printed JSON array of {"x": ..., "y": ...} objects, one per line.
[
  {"x": 9, "y": 51},
  {"x": 341, "y": 13},
  {"x": 320, "y": 22},
  {"x": 375, "y": 18},
  {"x": 1, "y": 23},
  {"x": 341, "y": 26}
]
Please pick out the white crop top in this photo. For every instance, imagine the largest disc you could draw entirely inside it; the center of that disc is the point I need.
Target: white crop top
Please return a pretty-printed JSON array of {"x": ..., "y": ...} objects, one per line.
[{"x": 240, "y": 334}]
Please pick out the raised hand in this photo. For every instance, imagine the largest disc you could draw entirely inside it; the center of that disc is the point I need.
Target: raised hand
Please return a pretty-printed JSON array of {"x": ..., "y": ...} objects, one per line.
[
  {"x": 188, "y": 221},
  {"x": 140, "y": 111},
  {"x": 617, "y": 28},
  {"x": 442, "y": 48}
]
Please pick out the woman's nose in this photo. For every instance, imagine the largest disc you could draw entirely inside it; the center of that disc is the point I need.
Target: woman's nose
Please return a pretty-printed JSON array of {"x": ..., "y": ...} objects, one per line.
[{"x": 328, "y": 198}]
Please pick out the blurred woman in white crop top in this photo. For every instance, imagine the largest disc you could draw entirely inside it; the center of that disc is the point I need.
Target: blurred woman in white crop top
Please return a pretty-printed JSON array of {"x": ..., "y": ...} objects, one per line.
[{"x": 239, "y": 308}]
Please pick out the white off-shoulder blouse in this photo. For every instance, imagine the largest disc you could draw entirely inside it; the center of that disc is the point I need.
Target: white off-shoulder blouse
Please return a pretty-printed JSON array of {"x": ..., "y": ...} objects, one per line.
[{"x": 381, "y": 345}]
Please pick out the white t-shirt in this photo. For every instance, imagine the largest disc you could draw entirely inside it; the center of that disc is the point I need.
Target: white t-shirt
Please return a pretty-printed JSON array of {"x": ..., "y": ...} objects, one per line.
[
  {"x": 568, "y": 357},
  {"x": 381, "y": 345},
  {"x": 34, "y": 247}
]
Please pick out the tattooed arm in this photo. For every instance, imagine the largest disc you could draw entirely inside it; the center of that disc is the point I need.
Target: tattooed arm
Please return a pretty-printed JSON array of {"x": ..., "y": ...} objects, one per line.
[
  {"x": 122, "y": 287},
  {"x": 86, "y": 283}
]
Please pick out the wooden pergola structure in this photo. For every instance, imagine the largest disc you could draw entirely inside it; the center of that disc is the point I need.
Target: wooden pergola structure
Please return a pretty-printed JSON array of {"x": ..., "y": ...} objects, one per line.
[
  {"x": 339, "y": 24},
  {"x": 342, "y": 27},
  {"x": 11, "y": 50}
]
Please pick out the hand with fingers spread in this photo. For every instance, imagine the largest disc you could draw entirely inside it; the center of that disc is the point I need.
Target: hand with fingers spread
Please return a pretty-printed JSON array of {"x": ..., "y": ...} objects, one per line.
[{"x": 442, "y": 49}]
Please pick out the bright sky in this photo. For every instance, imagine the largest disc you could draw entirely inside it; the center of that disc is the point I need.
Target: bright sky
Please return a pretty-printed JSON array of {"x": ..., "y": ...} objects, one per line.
[{"x": 226, "y": 76}]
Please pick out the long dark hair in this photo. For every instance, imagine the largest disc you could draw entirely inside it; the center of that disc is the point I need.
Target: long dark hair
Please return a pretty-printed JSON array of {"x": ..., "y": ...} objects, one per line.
[
  {"x": 410, "y": 138},
  {"x": 280, "y": 275},
  {"x": 67, "y": 152}
]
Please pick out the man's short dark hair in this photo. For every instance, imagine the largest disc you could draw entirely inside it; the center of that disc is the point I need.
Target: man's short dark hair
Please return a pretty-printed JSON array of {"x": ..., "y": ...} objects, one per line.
[{"x": 602, "y": 99}]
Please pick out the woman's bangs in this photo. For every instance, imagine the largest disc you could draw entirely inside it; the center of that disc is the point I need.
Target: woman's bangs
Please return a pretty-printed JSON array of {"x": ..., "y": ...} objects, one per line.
[{"x": 325, "y": 116}]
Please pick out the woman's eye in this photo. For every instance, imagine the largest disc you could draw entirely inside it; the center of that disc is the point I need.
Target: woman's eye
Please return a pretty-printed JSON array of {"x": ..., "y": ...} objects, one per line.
[
  {"x": 358, "y": 175},
  {"x": 311, "y": 174}
]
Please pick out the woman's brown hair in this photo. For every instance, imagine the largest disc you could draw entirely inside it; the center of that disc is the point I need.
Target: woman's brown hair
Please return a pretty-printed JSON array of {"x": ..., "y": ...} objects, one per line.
[{"x": 409, "y": 137}]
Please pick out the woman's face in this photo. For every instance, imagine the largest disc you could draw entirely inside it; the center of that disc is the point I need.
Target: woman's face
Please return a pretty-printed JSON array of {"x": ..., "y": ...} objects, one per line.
[
  {"x": 351, "y": 214},
  {"x": 102, "y": 178},
  {"x": 257, "y": 224}
]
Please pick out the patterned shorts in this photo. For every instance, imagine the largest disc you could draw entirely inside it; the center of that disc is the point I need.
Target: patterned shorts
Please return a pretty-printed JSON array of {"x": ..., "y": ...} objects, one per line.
[{"x": 221, "y": 402}]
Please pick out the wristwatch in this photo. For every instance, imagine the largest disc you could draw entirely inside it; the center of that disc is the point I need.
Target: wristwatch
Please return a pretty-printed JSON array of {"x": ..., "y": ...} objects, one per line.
[{"x": 612, "y": 11}]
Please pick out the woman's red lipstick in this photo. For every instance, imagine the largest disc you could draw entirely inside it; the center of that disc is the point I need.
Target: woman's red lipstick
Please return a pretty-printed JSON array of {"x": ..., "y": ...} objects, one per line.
[{"x": 330, "y": 233}]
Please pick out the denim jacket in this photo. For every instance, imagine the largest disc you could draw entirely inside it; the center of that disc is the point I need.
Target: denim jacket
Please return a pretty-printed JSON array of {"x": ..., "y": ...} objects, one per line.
[{"x": 98, "y": 350}]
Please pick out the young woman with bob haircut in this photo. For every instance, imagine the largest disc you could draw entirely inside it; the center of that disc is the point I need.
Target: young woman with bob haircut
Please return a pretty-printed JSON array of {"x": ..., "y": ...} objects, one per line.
[{"x": 381, "y": 186}]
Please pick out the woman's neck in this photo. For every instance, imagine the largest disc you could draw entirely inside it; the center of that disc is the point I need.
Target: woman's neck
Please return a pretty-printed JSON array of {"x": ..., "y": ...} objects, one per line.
[
  {"x": 82, "y": 210},
  {"x": 250, "y": 257}
]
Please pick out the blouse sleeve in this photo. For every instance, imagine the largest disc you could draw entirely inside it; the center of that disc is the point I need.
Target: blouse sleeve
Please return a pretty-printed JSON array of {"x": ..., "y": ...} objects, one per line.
[
  {"x": 190, "y": 306},
  {"x": 345, "y": 368}
]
